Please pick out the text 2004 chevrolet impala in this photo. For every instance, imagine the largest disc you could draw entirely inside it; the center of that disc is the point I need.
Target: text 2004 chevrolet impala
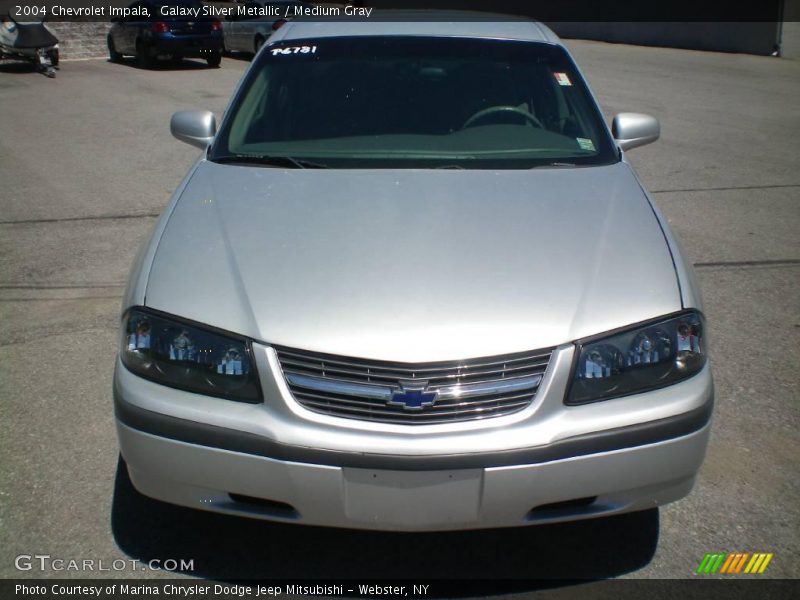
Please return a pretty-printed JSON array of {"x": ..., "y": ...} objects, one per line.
[{"x": 413, "y": 284}]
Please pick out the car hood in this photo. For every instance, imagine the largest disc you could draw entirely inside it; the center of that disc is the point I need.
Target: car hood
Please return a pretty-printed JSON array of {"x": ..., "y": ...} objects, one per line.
[{"x": 413, "y": 265}]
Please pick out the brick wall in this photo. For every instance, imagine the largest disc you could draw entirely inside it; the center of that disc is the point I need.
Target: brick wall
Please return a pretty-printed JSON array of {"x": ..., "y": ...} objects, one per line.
[{"x": 81, "y": 40}]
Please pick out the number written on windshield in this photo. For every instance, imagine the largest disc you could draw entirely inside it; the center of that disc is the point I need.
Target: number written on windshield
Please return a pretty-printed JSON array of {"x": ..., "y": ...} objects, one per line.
[{"x": 294, "y": 50}]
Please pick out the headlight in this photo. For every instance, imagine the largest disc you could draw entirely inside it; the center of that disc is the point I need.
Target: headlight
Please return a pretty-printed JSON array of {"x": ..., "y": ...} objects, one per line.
[
  {"x": 640, "y": 359},
  {"x": 188, "y": 356}
]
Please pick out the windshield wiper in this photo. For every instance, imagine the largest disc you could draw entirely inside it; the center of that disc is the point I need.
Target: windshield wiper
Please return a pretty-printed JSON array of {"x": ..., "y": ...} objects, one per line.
[
  {"x": 555, "y": 165},
  {"x": 272, "y": 161}
]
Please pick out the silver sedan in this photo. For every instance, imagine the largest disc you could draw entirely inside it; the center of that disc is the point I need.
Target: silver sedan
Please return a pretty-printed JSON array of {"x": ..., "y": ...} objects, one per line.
[{"x": 413, "y": 283}]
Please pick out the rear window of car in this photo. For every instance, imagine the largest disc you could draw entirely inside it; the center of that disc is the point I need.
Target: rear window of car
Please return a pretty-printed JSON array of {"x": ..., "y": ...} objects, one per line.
[{"x": 416, "y": 102}]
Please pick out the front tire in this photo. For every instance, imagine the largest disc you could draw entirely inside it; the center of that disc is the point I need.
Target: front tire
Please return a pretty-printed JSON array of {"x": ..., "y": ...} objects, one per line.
[
  {"x": 214, "y": 60},
  {"x": 113, "y": 55},
  {"x": 259, "y": 41},
  {"x": 143, "y": 58}
]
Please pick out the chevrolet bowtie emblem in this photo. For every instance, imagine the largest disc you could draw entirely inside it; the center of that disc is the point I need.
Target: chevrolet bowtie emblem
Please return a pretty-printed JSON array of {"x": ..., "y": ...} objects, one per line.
[{"x": 413, "y": 397}]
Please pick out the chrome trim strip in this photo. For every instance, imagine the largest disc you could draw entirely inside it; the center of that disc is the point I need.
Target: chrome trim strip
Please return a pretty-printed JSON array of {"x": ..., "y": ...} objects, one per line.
[
  {"x": 340, "y": 387},
  {"x": 490, "y": 387}
]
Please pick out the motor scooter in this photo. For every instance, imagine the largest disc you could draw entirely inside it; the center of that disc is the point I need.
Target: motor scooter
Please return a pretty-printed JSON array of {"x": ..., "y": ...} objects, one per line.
[{"x": 30, "y": 41}]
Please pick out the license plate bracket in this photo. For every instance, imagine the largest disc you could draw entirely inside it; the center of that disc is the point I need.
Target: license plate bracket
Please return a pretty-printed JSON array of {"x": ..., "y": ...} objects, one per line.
[{"x": 412, "y": 498}]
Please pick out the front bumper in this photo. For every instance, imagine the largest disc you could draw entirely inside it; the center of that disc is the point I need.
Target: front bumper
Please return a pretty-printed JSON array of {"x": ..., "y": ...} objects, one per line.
[
  {"x": 618, "y": 481},
  {"x": 547, "y": 463}
]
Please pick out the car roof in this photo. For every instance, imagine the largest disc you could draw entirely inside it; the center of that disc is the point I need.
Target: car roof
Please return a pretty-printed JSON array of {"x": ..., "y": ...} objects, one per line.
[{"x": 427, "y": 23}]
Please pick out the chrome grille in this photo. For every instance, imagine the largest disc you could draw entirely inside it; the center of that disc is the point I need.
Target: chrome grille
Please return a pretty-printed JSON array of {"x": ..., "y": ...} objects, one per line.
[{"x": 389, "y": 392}]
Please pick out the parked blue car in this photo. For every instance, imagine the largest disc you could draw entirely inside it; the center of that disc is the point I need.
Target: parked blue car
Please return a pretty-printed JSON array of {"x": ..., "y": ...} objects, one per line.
[{"x": 173, "y": 29}]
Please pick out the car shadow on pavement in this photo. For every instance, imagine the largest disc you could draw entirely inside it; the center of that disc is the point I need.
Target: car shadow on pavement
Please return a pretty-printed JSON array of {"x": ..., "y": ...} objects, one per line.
[
  {"x": 518, "y": 559},
  {"x": 243, "y": 56},
  {"x": 17, "y": 67},
  {"x": 185, "y": 64}
]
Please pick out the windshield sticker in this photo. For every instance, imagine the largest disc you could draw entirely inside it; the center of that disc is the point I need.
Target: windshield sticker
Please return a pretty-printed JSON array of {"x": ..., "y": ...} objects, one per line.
[
  {"x": 585, "y": 144},
  {"x": 294, "y": 50},
  {"x": 562, "y": 79}
]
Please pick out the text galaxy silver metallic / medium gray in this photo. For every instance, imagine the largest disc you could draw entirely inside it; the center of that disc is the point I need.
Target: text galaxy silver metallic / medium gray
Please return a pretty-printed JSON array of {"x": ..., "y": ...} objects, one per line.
[{"x": 413, "y": 284}]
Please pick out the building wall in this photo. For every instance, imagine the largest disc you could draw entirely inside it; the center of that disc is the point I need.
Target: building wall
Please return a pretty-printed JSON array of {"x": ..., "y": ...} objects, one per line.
[
  {"x": 790, "y": 39},
  {"x": 80, "y": 40},
  {"x": 790, "y": 34}
]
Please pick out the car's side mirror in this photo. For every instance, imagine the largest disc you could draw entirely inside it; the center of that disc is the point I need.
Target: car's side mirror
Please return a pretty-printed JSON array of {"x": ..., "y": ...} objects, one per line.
[
  {"x": 632, "y": 130},
  {"x": 195, "y": 127}
]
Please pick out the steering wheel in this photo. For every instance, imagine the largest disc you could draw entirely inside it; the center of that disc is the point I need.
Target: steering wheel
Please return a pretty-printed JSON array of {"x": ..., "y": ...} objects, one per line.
[{"x": 503, "y": 109}]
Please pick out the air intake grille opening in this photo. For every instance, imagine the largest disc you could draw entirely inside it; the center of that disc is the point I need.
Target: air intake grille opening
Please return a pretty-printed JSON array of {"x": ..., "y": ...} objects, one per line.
[
  {"x": 565, "y": 506},
  {"x": 265, "y": 506}
]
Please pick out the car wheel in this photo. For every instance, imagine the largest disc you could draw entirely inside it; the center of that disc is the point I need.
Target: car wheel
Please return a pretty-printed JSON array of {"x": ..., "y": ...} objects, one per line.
[
  {"x": 143, "y": 58},
  {"x": 257, "y": 44},
  {"x": 113, "y": 55},
  {"x": 214, "y": 60}
]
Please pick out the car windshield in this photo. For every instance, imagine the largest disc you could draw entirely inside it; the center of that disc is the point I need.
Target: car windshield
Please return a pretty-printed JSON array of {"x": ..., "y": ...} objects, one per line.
[{"x": 415, "y": 102}]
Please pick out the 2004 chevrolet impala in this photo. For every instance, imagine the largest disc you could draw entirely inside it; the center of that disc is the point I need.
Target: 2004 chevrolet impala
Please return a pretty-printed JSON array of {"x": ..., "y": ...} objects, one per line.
[{"x": 413, "y": 284}]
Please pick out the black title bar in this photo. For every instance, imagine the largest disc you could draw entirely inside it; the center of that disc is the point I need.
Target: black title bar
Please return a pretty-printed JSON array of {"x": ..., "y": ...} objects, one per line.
[{"x": 542, "y": 10}]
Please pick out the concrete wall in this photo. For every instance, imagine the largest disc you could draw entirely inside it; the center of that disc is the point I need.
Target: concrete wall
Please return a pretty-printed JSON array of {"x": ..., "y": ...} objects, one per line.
[
  {"x": 790, "y": 34},
  {"x": 87, "y": 40},
  {"x": 790, "y": 39},
  {"x": 81, "y": 40}
]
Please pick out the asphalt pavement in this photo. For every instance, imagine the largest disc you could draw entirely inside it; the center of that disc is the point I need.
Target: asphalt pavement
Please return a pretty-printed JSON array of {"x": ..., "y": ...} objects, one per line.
[{"x": 86, "y": 165}]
